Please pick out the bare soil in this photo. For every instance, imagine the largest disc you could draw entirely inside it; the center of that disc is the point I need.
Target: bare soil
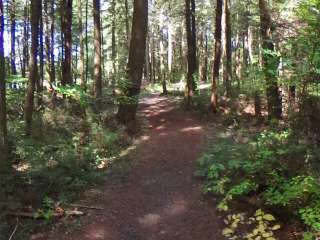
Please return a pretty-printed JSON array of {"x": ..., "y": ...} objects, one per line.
[{"x": 161, "y": 198}]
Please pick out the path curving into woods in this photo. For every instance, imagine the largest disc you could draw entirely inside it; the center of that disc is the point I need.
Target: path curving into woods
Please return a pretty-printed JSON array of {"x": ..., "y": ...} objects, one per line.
[{"x": 161, "y": 199}]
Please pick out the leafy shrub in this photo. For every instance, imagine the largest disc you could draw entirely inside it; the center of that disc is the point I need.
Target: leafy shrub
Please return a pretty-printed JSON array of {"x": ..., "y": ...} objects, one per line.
[
  {"x": 67, "y": 156},
  {"x": 272, "y": 165}
]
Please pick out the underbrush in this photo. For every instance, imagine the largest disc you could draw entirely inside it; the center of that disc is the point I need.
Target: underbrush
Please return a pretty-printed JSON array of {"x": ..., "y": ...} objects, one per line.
[
  {"x": 274, "y": 170},
  {"x": 72, "y": 147}
]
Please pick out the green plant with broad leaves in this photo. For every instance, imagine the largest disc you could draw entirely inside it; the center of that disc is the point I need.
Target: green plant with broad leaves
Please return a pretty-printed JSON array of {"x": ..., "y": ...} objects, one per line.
[{"x": 271, "y": 166}]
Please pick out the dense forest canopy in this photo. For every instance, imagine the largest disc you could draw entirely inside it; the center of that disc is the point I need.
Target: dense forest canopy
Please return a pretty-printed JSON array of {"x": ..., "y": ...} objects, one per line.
[{"x": 72, "y": 73}]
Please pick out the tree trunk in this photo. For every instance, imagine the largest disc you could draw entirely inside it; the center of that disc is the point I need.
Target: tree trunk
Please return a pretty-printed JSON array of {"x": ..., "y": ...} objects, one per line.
[
  {"x": 192, "y": 49},
  {"x": 52, "y": 58},
  {"x": 153, "y": 59},
  {"x": 217, "y": 58},
  {"x": 13, "y": 37},
  {"x": 162, "y": 63},
  {"x": 113, "y": 43},
  {"x": 204, "y": 65},
  {"x": 228, "y": 47},
  {"x": 97, "y": 50},
  {"x": 47, "y": 37},
  {"x": 81, "y": 39},
  {"x": 128, "y": 108},
  {"x": 25, "y": 39},
  {"x": 39, "y": 83},
  {"x": 127, "y": 22},
  {"x": 87, "y": 40},
  {"x": 66, "y": 28},
  {"x": 270, "y": 62},
  {"x": 170, "y": 49},
  {"x": 3, "y": 112},
  {"x": 34, "y": 74},
  {"x": 49, "y": 40}
]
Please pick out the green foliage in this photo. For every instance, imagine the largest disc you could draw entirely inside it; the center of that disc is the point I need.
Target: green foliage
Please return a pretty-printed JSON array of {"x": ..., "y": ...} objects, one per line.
[
  {"x": 124, "y": 85},
  {"x": 67, "y": 151},
  {"x": 295, "y": 191},
  {"x": 308, "y": 236},
  {"x": 311, "y": 215},
  {"x": 47, "y": 212},
  {"x": 75, "y": 92},
  {"x": 271, "y": 165}
]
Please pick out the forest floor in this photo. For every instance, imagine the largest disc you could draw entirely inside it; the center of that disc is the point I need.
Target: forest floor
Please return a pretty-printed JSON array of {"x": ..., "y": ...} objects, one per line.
[{"x": 161, "y": 198}]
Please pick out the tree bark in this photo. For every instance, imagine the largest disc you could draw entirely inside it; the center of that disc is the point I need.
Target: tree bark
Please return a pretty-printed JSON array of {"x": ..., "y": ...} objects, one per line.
[
  {"x": 192, "y": 49},
  {"x": 217, "y": 58},
  {"x": 13, "y": 37},
  {"x": 49, "y": 40},
  {"x": 204, "y": 65},
  {"x": 162, "y": 63},
  {"x": 127, "y": 22},
  {"x": 66, "y": 28},
  {"x": 128, "y": 108},
  {"x": 39, "y": 84},
  {"x": 3, "y": 111},
  {"x": 87, "y": 40},
  {"x": 113, "y": 43},
  {"x": 25, "y": 39},
  {"x": 270, "y": 62},
  {"x": 34, "y": 74},
  {"x": 52, "y": 30},
  {"x": 97, "y": 50},
  {"x": 81, "y": 39},
  {"x": 47, "y": 36},
  {"x": 228, "y": 47}
]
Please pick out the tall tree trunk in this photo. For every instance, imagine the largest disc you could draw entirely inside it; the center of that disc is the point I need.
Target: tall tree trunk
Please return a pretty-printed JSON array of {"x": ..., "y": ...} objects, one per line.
[
  {"x": 153, "y": 58},
  {"x": 228, "y": 47},
  {"x": 49, "y": 40},
  {"x": 97, "y": 50},
  {"x": 217, "y": 57},
  {"x": 13, "y": 36},
  {"x": 192, "y": 49},
  {"x": 204, "y": 67},
  {"x": 34, "y": 74},
  {"x": 127, "y": 109},
  {"x": 162, "y": 63},
  {"x": 52, "y": 30},
  {"x": 81, "y": 39},
  {"x": 66, "y": 28},
  {"x": 47, "y": 37},
  {"x": 25, "y": 39},
  {"x": 170, "y": 49},
  {"x": 87, "y": 40},
  {"x": 270, "y": 62},
  {"x": 3, "y": 112},
  {"x": 127, "y": 22},
  {"x": 113, "y": 43},
  {"x": 39, "y": 83}
]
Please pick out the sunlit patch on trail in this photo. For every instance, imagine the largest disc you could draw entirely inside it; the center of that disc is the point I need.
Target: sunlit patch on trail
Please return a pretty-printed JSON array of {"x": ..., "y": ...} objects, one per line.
[
  {"x": 174, "y": 209},
  {"x": 161, "y": 127},
  {"x": 192, "y": 129},
  {"x": 150, "y": 219},
  {"x": 105, "y": 163},
  {"x": 177, "y": 207},
  {"x": 163, "y": 134},
  {"x": 98, "y": 233}
]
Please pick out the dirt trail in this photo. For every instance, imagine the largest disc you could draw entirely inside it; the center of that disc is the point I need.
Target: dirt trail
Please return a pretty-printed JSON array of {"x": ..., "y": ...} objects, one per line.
[{"x": 161, "y": 199}]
